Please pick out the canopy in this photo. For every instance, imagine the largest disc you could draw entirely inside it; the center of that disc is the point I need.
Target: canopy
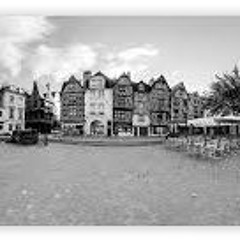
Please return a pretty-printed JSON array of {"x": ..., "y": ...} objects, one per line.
[
  {"x": 228, "y": 119},
  {"x": 214, "y": 121},
  {"x": 202, "y": 122}
]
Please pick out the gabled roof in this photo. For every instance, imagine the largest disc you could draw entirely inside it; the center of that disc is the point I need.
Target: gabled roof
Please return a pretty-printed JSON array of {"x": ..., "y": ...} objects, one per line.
[
  {"x": 70, "y": 80},
  {"x": 124, "y": 75},
  {"x": 151, "y": 81},
  {"x": 147, "y": 87},
  {"x": 180, "y": 85},
  {"x": 109, "y": 83},
  {"x": 99, "y": 73},
  {"x": 161, "y": 79}
]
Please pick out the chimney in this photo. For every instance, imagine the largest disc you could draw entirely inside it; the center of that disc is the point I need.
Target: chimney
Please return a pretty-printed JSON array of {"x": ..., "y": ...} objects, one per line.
[
  {"x": 128, "y": 74},
  {"x": 87, "y": 75}
]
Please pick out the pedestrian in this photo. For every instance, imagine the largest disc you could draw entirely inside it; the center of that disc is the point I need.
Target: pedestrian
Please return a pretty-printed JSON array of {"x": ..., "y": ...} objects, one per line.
[{"x": 45, "y": 139}]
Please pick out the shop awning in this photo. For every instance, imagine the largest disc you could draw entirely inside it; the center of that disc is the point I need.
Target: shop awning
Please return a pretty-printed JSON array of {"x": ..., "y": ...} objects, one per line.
[
  {"x": 228, "y": 119},
  {"x": 202, "y": 122}
]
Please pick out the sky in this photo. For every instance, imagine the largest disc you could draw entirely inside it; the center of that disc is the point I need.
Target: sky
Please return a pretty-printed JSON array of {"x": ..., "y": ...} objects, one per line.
[{"x": 50, "y": 49}]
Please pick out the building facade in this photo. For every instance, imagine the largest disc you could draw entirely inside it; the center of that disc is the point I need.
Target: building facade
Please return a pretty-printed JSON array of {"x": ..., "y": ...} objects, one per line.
[
  {"x": 123, "y": 106},
  {"x": 160, "y": 106},
  {"x": 39, "y": 111},
  {"x": 141, "y": 114},
  {"x": 98, "y": 105},
  {"x": 12, "y": 109},
  {"x": 72, "y": 107},
  {"x": 196, "y": 104},
  {"x": 179, "y": 106}
]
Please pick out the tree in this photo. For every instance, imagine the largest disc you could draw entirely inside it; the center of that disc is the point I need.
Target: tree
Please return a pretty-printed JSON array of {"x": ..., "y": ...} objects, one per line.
[{"x": 224, "y": 97}]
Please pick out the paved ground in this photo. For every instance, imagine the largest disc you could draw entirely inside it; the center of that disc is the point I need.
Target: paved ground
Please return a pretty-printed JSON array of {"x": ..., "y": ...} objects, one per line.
[{"x": 80, "y": 185}]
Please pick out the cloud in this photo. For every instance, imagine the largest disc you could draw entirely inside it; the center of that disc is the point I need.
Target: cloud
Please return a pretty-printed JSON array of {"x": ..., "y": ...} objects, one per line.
[
  {"x": 25, "y": 50},
  {"x": 194, "y": 81},
  {"x": 62, "y": 62},
  {"x": 136, "y": 60},
  {"x": 15, "y": 35},
  {"x": 137, "y": 53}
]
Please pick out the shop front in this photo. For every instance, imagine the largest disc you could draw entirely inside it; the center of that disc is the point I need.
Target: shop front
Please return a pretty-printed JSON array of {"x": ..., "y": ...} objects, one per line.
[{"x": 141, "y": 125}]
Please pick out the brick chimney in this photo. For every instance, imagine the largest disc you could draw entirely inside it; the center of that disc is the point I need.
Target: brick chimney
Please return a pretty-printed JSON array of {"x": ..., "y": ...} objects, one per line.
[{"x": 87, "y": 75}]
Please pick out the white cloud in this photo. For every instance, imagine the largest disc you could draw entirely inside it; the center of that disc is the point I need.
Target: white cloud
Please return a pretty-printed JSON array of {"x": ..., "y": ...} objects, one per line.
[
  {"x": 136, "y": 60},
  {"x": 195, "y": 81},
  {"x": 60, "y": 63},
  {"x": 133, "y": 54},
  {"x": 15, "y": 34},
  {"x": 56, "y": 63}
]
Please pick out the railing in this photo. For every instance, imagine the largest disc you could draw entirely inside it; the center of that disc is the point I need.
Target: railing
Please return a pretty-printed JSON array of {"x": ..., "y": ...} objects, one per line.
[{"x": 205, "y": 148}]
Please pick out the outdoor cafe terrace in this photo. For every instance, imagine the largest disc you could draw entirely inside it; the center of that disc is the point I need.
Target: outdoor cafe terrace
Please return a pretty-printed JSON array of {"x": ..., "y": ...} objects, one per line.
[{"x": 210, "y": 137}]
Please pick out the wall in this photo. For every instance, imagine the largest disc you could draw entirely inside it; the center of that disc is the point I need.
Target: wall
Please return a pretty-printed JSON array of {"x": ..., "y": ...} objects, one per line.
[
  {"x": 98, "y": 107},
  {"x": 14, "y": 111}
]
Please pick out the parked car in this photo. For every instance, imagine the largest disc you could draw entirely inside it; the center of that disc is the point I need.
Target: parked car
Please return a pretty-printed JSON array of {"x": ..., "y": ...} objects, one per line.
[{"x": 29, "y": 136}]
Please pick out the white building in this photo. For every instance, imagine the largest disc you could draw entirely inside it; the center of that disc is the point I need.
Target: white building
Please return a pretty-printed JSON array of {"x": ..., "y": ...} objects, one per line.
[
  {"x": 12, "y": 109},
  {"x": 99, "y": 105}
]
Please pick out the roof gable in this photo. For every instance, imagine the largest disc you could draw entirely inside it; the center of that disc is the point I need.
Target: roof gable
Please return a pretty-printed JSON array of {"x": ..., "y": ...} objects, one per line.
[{"x": 71, "y": 81}]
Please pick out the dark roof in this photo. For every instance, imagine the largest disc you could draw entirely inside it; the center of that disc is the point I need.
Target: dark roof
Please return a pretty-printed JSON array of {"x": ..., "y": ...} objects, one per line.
[
  {"x": 99, "y": 73},
  {"x": 179, "y": 86},
  {"x": 13, "y": 89},
  {"x": 135, "y": 86},
  {"x": 109, "y": 83},
  {"x": 70, "y": 80},
  {"x": 160, "y": 79},
  {"x": 124, "y": 75}
]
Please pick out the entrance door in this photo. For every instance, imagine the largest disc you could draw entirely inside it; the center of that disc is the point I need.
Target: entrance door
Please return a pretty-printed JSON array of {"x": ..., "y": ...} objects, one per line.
[
  {"x": 97, "y": 128},
  {"x": 143, "y": 131}
]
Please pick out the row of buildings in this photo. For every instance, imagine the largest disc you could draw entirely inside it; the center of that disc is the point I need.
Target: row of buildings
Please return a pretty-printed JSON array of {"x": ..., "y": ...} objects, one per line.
[
  {"x": 21, "y": 110},
  {"x": 98, "y": 105}
]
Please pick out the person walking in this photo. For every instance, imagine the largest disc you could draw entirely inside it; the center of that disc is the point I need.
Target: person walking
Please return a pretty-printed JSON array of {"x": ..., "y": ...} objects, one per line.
[{"x": 45, "y": 139}]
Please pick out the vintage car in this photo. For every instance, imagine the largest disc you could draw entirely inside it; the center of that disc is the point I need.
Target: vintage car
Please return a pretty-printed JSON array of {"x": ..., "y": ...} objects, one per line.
[{"x": 28, "y": 136}]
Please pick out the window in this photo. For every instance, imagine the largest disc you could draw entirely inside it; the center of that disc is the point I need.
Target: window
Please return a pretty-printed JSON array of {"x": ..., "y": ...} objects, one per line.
[
  {"x": 20, "y": 114},
  {"x": 72, "y": 112},
  {"x": 11, "y": 98},
  {"x": 18, "y": 127},
  {"x": 1, "y": 126},
  {"x": 10, "y": 127},
  {"x": 101, "y": 106},
  {"x": 176, "y": 111},
  {"x": 20, "y": 99},
  {"x": 11, "y": 113},
  {"x": 1, "y": 113}
]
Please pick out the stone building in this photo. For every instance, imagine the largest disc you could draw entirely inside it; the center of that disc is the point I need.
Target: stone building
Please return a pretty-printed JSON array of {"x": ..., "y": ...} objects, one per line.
[
  {"x": 196, "y": 105},
  {"x": 179, "y": 106},
  {"x": 160, "y": 103},
  {"x": 141, "y": 114},
  {"x": 72, "y": 107},
  {"x": 123, "y": 105},
  {"x": 12, "y": 109},
  {"x": 98, "y": 105},
  {"x": 39, "y": 111}
]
